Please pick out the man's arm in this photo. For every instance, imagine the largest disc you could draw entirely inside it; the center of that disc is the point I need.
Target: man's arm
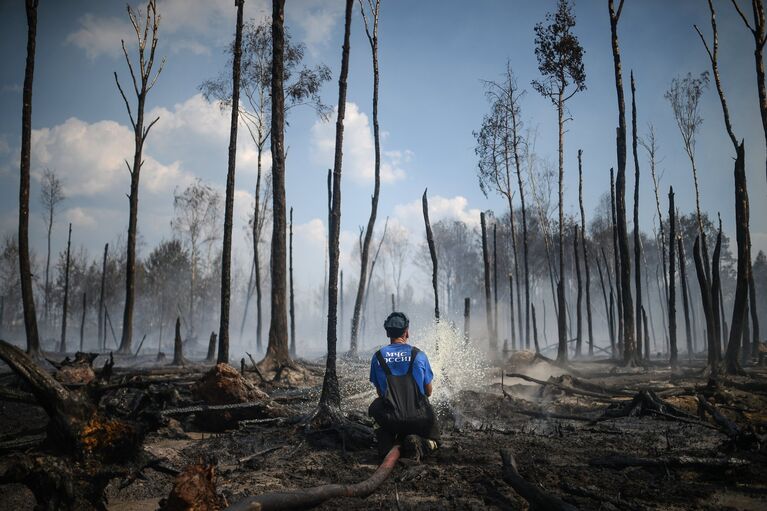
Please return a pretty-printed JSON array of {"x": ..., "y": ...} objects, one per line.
[{"x": 427, "y": 388}]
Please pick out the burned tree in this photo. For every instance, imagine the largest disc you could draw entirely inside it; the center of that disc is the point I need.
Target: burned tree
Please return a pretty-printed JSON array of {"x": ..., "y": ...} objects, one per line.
[
  {"x": 579, "y": 300},
  {"x": 277, "y": 352},
  {"x": 27, "y": 294},
  {"x": 491, "y": 334},
  {"x": 142, "y": 84},
  {"x": 329, "y": 409},
  {"x": 584, "y": 248},
  {"x": 637, "y": 237},
  {"x": 226, "y": 256},
  {"x": 672, "y": 280},
  {"x": 65, "y": 303},
  {"x": 432, "y": 252},
  {"x": 102, "y": 337},
  {"x": 685, "y": 295},
  {"x": 51, "y": 195},
  {"x": 371, "y": 30},
  {"x": 292, "y": 300},
  {"x": 560, "y": 62}
]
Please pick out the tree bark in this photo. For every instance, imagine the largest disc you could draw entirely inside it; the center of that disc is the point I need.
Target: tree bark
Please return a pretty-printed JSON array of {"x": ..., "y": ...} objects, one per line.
[
  {"x": 672, "y": 283},
  {"x": 754, "y": 312},
  {"x": 65, "y": 305},
  {"x": 212, "y": 342},
  {"x": 705, "y": 292},
  {"x": 608, "y": 308},
  {"x": 685, "y": 295},
  {"x": 511, "y": 315},
  {"x": 637, "y": 237},
  {"x": 330, "y": 399},
  {"x": 493, "y": 342},
  {"x": 743, "y": 235},
  {"x": 27, "y": 293},
  {"x": 178, "y": 346},
  {"x": 292, "y": 298},
  {"x": 495, "y": 280},
  {"x": 716, "y": 286},
  {"x": 561, "y": 305},
  {"x": 226, "y": 255},
  {"x": 433, "y": 254},
  {"x": 365, "y": 253},
  {"x": 629, "y": 341},
  {"x": 535, "y": 332},
  {"x": 277, "y": 350}
]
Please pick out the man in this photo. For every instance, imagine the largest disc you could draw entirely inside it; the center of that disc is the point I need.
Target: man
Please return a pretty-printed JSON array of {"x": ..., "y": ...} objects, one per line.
[{"x": 403, "y": 379}]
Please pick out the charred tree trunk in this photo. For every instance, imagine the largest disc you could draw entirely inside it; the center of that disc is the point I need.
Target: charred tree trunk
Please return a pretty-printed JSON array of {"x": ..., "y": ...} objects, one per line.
[
  {"x": 330, "y": 399},
  {"x": 743, "y": 235},
  {"x": 65, "y": 304},
  {"x": 754, "y": 311},
  {"x": 705, "y": 292},
  {"x": 277, "y": 351},
  {"x": 685, "y": 295},
  {"x": 535, "y": 331},
  {"x": 672, "y": 283},
  {"x": 292, "y": 298},
  {"x": 511, "y": 312},
  {"x": 585, "y": 255},
  {"x": 433, "y": 254},
  {"x": 637, "y": 237},
  {"x": 608, "y": 307},
  {"x": 82, "y": 323},
  {"x": 141, "y": 86},
  {"x": 27, "y": 293},
  {"x": 493, "y": 342},
  {"x": 513, "y": 235},
  {"x": 102, "y": 327},
  {"x": 579, "y": 301},
  {"x": 646, "y": 336},
  {"x": 466, "y": 320},
  {"x": 495, "y": 279},
  {"x": 716, "y": 286},
  {"x": 629, "y": 341},
  {"x": 178, "y": 346},
  {"x": 372, "y": 35},
  {"x": 211, "y": 348},
  {"x": 561, "y": 304},
  {"x": 616, "y": 266},
  {"x": 226, "y": 256}
]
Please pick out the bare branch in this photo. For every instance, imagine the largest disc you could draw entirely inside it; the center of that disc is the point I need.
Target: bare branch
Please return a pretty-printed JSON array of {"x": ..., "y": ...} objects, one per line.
[
  {"x": 127, "y": 105},
  {"x": 130, "y": 67},
  {"x": 157, "y": 75},
  {"x": 146, "y": 130},
  {"x": 743, "y": 16}
]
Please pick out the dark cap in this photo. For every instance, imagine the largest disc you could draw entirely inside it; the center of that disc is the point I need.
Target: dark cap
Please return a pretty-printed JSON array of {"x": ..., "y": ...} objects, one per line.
[{"x": 396, "y": 321}]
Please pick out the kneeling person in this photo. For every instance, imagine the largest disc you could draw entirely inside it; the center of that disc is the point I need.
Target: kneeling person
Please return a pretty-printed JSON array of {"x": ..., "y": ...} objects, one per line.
[{"x": 403, "y": 378}]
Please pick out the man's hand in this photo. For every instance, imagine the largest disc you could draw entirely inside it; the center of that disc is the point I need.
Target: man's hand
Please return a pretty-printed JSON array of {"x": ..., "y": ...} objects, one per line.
[{"x": 427, "y": 388}]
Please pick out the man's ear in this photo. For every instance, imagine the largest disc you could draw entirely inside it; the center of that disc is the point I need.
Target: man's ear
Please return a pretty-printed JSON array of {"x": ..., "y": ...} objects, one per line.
[{"x": 407, "y": 333}]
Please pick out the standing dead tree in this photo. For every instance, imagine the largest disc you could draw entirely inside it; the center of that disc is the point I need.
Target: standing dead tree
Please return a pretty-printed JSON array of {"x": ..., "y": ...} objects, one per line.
[
  {"x": 741, "y": 192},
  {"x": 685, "y": 294},
  {"x": 579, "y": 300},
  {"x": 51, "y": 195},
  {"x": 560, "y": 62},
  {"x": 500, "y": 145},
  {"x": 329, "y": 408},
  {"x": 623, "y": 269},
  {"x": 226, "y": 256},
  {"x": 493, "y": 341},
  {"x": 371, "y": 30},
  {"x": 277, "y": 351},
  {"x": 672, "y": 281},
  {"x": 432, "y": 252},
  {"x": 65, "y": 303},
  {"x": 637, "y": 237},
  {"x": 27, "y": 294},
  {"x": 102, "y": 326},
  {"x": 584, "y": 247},
  {"x": 616, "y": 266},
  {"x": 743, "y": 235},
  {"x": 142, "y": 84}
]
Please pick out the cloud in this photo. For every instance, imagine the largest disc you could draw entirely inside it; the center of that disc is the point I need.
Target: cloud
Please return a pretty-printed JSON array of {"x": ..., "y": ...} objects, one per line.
[
  {"x": 316, "y": 19},
  {"x": 359, "y": 156},
  {"x": 203, "y": 23},
  {"x": 90, "y": 158},
  {"x": 440, "y": 208},
  {"x": 314, "y": 231},
  {"x": 80, "y": 217}
]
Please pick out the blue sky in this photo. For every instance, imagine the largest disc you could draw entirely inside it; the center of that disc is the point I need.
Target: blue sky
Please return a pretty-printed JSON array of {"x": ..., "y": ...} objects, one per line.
[{"x": 433, "y": 56}]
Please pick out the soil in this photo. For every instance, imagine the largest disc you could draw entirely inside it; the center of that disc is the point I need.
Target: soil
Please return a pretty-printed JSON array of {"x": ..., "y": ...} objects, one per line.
[{"x": 564, "y": 456}]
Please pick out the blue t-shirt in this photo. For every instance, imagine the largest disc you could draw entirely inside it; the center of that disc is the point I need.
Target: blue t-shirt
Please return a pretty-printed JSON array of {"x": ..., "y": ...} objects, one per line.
[{"x": 397, "y": 357}]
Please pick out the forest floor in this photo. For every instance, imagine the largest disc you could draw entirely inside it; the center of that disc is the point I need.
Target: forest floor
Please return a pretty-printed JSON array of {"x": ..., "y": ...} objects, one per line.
[{"x": 566, "y": 435}]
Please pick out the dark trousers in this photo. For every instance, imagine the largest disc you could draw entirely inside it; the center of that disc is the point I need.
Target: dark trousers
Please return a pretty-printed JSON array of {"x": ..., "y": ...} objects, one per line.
[{"x": 431, "y": 431}]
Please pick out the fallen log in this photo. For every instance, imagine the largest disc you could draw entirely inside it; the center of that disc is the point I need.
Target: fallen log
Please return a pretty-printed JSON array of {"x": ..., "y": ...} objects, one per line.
[
  {"x": 310, "y": 497},
  {"x": 532, "y": 493},
  {"x": 738, "y": 436}
]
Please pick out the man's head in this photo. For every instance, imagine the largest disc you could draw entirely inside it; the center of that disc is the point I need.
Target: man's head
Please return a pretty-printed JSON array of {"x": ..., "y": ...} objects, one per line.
[{"x": 396, "y": 325}]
